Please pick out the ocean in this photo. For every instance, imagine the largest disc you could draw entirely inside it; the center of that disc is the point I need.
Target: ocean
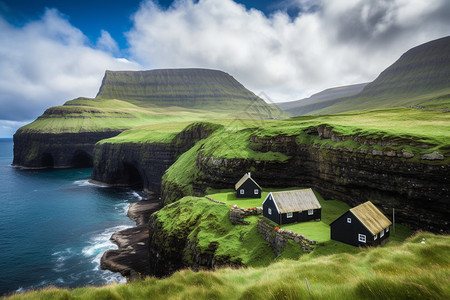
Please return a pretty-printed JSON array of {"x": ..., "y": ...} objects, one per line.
[{"x": 55, "y": 226}]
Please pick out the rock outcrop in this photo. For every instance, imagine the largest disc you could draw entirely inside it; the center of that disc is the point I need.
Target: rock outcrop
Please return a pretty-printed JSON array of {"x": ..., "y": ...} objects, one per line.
[
  {"x": 143, "y": 164},
  {"x": 416, "y": 188},
  {"x": 56, "y": 150}
]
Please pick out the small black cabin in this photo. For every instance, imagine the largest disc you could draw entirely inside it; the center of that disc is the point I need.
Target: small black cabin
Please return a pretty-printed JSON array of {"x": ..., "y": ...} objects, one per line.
[
  {"x": 292, "y": 206},
  {"x": 363, "y": 225},
  {"x": 246, "y": 187}
]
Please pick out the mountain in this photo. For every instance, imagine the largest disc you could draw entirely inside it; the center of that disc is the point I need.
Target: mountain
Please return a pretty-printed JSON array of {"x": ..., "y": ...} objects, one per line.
[
  {"x": 300, "y": 107},
  {"x": 421, "y": 76},
  {"x": 129, "y": 99},
  {"x": 190, "y": 88}
]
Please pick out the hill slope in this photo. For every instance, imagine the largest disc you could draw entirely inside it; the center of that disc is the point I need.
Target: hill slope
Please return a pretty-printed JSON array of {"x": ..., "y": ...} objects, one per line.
[
  {"x": 299, "y": 107},
  {"x": 421, "y": 76},
  {"x": 191, "y": 88},
  {"x": 129, "y": 99},
  {"x": 416, "y": 269}
]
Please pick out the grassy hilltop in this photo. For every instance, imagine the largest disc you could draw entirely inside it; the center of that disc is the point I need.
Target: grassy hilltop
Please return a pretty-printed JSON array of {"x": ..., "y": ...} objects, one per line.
[{"x": 128, "y": 99}]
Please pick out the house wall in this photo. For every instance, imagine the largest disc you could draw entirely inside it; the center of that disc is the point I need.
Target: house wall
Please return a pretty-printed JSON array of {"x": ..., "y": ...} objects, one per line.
[
  {"x": 348, "y": 232},
  {"x": 275, "y": 217},
  {"x": 300, "y": 216},
  {"x": 249, "y": 186}
]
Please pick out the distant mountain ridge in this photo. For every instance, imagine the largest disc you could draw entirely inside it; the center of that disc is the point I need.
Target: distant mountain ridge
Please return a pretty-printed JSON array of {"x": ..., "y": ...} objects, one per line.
[
  {"x": 421, "y": 76},
  {"x": 301, "y": 106}
]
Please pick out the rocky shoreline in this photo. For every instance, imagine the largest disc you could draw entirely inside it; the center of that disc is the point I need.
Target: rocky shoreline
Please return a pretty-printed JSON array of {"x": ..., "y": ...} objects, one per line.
[{"x": 131, "y": 260}]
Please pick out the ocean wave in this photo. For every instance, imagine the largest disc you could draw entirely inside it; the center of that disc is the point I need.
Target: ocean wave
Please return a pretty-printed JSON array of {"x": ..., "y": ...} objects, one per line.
[
  {"x": 100, "y": 243},
  {"x": 122, "y": 207},
  {"x": 136, "y": 195},
  {"x": 85, "y": 182},
  {"x": 60, "y": 259}
]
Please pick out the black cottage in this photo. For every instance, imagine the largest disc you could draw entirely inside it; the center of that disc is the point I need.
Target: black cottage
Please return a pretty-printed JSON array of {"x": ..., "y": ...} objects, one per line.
[
  {"x": 363, "y": 225},
  {"x": 246, "y": 187},
  {"x": 292, "y": 206}
]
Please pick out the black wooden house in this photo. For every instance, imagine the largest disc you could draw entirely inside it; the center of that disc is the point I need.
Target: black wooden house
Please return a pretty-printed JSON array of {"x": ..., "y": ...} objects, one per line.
[
  {"x": 363, "y": 225},
  {"x": 292, "y": 206},
  {"x": 246, "y": 187}
]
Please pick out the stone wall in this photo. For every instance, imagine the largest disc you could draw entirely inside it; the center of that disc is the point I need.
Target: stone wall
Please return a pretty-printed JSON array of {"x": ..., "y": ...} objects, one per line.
[{"x": 278, "y": 238}]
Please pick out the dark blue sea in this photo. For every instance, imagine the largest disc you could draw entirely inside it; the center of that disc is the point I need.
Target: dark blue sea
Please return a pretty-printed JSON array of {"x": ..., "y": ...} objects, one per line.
[{"x": 55, "y": 226}]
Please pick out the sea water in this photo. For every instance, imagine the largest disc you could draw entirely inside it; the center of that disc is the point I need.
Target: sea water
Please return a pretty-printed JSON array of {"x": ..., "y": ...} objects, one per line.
[{"x": 55, "y": 226}]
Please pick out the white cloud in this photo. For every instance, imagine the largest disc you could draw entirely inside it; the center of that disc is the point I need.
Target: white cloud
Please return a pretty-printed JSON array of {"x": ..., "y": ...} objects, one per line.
[
  {"x": 8, "y": 128},
  {"x": 47, "y": 62},
  {"x": 330, "y": 43},
  {"x": 106, "y": 43}
]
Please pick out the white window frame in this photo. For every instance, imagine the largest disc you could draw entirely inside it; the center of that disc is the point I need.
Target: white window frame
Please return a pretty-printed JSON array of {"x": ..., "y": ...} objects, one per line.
[
  {"x": 241, "y": 191},
  {"x": 387, "y": 229},
  {"x": 269, "y": 210},
  {"x": 349, "y": 220},
  {"x": 375, "y": 237},
  {"x": 361, "y": 238},
  {"x": 310, "y": 212},
  {"x": 289, "y": 215},
  {"x": 382, "y": 233},
  {"x": 256, "y": 191}
]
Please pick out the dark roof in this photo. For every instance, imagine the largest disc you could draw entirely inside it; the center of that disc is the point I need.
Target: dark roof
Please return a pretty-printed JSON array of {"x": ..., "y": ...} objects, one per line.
[
  {"x": 296, "y": 200},
  {"x": 244, "y": 179},
  {"x": 371, "y": 217}
]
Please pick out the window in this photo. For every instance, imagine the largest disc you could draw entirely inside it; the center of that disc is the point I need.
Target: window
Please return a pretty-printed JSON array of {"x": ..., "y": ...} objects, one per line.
[
  {"x": 256, "y": 191},
  {"x": 289, "y": 215},
  {"x": 361, "y": 238},
  {"x": 375, "y": 237},
  {"x": 241, "y": 191},
  {"x": 382, "y": 233},
  {"x": 269, "y": 211},
  {"x": 387, "y": 229},
  {"x": 349, "y": 220},
  {"x": 310, "y": 212}
]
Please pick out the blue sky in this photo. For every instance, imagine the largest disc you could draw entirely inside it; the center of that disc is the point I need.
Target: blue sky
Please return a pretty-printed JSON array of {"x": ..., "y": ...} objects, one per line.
[{"x": 52, "y": 51}]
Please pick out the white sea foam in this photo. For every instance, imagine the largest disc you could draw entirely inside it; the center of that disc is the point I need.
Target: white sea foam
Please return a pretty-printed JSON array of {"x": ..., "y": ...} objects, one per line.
[
  {"x": 85, "y": 182},
  {"x": 60, "y": 259},
  {"x": 123, "y": 207},
  {"x": 136, "y": 195},
  {"x": 100, "y": 243}
]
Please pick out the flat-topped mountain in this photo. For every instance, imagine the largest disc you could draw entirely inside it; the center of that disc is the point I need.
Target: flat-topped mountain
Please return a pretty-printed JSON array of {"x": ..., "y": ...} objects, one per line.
[{"x": 191, "y": 88}]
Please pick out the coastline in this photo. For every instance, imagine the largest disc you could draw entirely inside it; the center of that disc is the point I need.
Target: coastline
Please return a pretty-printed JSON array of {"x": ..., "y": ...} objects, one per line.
[{"x": 131, "y": 259}]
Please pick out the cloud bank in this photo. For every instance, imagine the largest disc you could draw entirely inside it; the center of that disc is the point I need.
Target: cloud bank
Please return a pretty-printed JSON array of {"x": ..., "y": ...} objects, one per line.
[
  {"x": 48, "y": 62},
  {"x": 329, "y": 43}
]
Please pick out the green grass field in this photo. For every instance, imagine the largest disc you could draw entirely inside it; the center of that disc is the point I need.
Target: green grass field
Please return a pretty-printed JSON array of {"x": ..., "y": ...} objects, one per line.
[{"x": 416, "y": 269}]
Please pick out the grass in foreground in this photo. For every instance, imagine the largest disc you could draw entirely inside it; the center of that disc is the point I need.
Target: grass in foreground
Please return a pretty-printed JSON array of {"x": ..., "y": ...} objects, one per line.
[{"x": 416, "y": 269}]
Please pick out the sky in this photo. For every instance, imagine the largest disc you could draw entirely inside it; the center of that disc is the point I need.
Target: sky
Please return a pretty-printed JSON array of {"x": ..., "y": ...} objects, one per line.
[{"x": 52, "y": 51}]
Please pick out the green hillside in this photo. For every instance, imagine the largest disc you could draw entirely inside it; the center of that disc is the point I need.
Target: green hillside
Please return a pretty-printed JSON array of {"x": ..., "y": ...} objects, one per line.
[
  {"x": 421, "y": 76},
  {"x": 191, "y": 88},
  {"x": 129, "y": 99},
  {"x": 416, "y": 269}
]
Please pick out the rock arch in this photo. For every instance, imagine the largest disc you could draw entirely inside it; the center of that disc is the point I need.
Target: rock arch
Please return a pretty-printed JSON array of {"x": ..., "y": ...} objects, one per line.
[
  {"x": 81, "y": 159},
  {"x": 132, "y": 176},
  {"x": 47, "y": 160}
]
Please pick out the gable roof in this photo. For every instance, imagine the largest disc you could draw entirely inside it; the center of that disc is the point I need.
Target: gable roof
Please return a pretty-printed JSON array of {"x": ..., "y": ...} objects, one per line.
[
  {"x": 297, "y": 200},
  {"x": 371, "y": 217},
  {"x": 244, "y": 179}
]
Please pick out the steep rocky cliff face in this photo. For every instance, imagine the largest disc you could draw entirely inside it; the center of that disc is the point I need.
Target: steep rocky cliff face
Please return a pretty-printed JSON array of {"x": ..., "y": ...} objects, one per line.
[
  {"x": 56, "y": 150},
  {"x": 143, "y": 164},
  {"x": 416, "y": 187}
]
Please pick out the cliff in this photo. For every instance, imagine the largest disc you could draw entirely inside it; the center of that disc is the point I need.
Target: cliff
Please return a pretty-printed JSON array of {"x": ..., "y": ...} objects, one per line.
[
  {"x": 143, "y": 164},
  {"x": 65, "y": 135}
]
